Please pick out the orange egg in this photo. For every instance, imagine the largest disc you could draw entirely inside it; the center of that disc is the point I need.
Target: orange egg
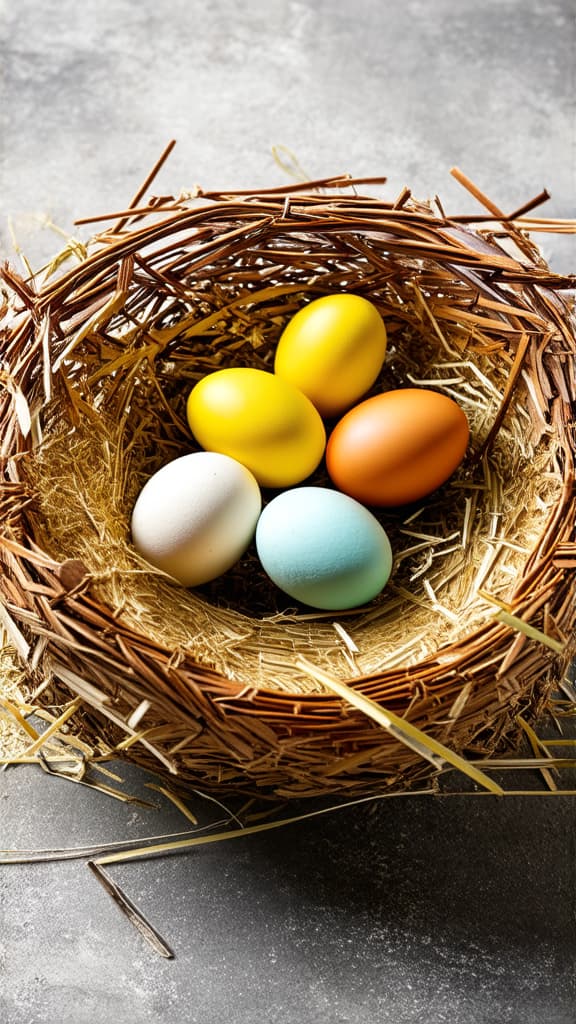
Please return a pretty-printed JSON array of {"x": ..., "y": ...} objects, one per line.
[{"x": 397, "y": 447}]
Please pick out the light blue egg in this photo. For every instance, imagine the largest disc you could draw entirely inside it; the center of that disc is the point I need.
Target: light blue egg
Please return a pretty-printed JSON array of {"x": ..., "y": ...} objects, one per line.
[{"x": 323, "y": 548}]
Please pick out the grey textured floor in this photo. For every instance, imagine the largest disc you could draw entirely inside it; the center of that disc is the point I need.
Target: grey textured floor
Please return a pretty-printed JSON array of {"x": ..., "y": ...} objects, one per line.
[{"x": 459, "y": 911}]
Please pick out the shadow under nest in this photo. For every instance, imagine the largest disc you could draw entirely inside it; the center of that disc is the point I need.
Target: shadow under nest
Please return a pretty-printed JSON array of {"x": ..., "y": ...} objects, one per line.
[{"x": 229, "y": 685}]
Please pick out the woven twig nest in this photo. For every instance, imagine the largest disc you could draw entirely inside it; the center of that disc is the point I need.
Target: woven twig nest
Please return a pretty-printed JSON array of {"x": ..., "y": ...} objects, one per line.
[{"x": 232, "y": 685}]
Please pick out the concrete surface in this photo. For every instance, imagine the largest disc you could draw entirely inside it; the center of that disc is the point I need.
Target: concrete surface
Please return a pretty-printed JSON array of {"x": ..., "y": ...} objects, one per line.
[
  {"x": 450, "y": 911},
  {"x": 459, "y": 911}
]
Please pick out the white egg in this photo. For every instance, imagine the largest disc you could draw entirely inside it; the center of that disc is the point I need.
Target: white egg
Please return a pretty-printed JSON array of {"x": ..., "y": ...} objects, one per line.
[{"x": 196, "y": 516}]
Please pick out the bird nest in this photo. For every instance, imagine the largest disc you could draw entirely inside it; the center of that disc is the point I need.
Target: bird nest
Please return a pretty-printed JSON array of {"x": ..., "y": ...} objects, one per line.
[{"x": 232, "y": 685}]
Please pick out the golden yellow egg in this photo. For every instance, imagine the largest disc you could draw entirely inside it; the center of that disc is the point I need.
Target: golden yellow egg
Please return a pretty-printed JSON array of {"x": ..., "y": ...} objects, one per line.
[
  {"x": 333, "y": 350},
  {"x": 261, "y": 420}
]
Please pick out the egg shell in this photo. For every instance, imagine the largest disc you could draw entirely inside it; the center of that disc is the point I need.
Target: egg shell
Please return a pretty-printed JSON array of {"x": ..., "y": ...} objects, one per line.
[
  {"x": 261, "y": 420},
  {"x": 323, "y": 548},
  {"x": 397, "y": 447},
  {"x": 333, "y": 350},
  {"x": 196, "y": 516}
]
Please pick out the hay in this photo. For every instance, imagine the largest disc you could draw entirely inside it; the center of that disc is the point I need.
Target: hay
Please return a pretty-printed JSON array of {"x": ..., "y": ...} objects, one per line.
[
  {"x": 14, "y": 734},
  {"x": 446, "y": 550},
  {"x": 476, "y": 624}
]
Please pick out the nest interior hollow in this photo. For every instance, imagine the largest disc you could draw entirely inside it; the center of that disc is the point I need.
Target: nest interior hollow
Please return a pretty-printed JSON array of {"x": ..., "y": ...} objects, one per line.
[{"x": 226, "y": 684}]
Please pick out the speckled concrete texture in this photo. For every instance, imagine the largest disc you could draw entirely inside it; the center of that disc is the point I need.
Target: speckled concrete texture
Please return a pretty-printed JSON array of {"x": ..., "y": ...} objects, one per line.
[
  {"x": 439, "y": 910},
  {"x": 456, "y": 911},
  {"x": 91, "y": 92}
]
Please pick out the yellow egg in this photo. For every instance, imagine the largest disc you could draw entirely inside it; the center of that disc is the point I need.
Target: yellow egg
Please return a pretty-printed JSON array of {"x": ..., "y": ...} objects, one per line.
[
  {"x": 264, "y": 422},
  {"x": 333, "y": 350}
]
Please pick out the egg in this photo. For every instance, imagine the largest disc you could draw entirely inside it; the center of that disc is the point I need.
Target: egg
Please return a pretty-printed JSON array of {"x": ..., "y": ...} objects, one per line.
[
  {"x": 323, "y": 548},
  {"x": 397, "y": 447},
  {"x": 196, "y": 516},
  {"x": 261, "y": 420},
  {"x": 333, "y": 350}
]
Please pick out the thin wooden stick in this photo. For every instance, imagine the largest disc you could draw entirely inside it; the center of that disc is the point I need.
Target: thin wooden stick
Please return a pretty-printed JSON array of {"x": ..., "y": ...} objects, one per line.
[
  {"x": 147, "y": 930},
  {"x": 145, "y": 185}
]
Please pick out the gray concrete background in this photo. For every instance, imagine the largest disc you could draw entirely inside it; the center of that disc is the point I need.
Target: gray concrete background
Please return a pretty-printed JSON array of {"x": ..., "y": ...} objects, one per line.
[
  {"x": 459, "y": 911},
  {"x": 92, "y": 91}
]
